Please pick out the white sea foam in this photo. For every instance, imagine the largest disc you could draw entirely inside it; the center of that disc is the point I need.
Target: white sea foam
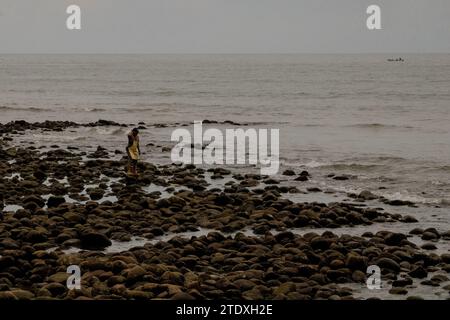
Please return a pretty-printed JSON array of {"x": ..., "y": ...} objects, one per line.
[{"x": 313, "y": 164}]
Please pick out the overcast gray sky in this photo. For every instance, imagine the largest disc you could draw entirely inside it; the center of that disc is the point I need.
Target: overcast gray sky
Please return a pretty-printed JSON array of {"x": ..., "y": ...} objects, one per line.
[{"x": 224, "y": 26}]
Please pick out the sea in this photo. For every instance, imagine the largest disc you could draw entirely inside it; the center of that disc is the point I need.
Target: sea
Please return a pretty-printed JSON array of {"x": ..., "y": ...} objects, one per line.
[{"x": 387, "y": 124}]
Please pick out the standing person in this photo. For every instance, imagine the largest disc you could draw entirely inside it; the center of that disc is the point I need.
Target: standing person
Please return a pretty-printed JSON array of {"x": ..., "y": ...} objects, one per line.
[{"x": 133, "y": 151}]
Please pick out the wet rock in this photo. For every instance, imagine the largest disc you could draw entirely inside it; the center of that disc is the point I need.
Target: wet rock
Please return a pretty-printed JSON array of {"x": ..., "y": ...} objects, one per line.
[
  {"x": 35, "y": 236},
  {"x": 6, "y": 261},
  {"x": 429, "y": 236},
  {"x": 430, "y": 283},
  {"x": 94, "y": 241},
  {"x": 55, "y": 201},
  {"x": 288, "y": 173},
  {"x": 409, "y": 219},
  {"x": 135, "y": 274},
  {"x": 173, "y": 277},
  {"x": 367, "y": 195},
  {"x": 337, "y": 264},
  {"x": 304, "y": 173},
  {"x": 394, "y": 239},
  {"x": 115, "y": 280},
  {"x": 223, "y": 199},
  {"x": 182, "y": 296},
  {"x": 356, "y": 262},
  {"x": 320, "y": 243},
  {"x": 399, "y": 203},
  {"x": 440, "y": 278},
  {"x": 402, "y": 282},
  {"x": 284, "y": 236},
  {"x": 416, "y": 231},
  {"x": 34, "y": 199},
  {"x": 428, "y": 246},
  {"x": 398, "y": 290},
  {"x": 55, "y": 289},
  {"x": 95, "y": 193},
  {"x": 22, "y": 213},
  {"x": 261, "y": 229},
  {"x": 244, "y": 284},
  {"x": 445, "y": 257},
  {"x": 271, "y": 181},
  {"x": 74, "y": 217},
  {"x": 388, "y": 263},
  {"x": 414, "y": 298},
  {"x": 253, "y": 294},
  {"x": 40, "y": 175},
  {"x": 7, "y": 295},
  {"x": 60, "y": 277},
  {"x": 359, "y": 276},
  {"x": 284, "y": 289},
  {"x": 341, "y": 178},
  {"x": 138, "y": 295},
  {"x": 418, "y": 272},
  {"x": 22, "y": 294}
]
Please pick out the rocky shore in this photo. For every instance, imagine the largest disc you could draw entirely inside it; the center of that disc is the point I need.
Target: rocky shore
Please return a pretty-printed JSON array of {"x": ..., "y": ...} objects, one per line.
[{"x": 55, "y": 200}]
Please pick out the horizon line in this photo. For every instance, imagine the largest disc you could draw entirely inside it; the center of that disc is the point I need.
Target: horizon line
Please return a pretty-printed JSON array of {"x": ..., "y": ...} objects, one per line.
[{"x": 224, "y": 53}]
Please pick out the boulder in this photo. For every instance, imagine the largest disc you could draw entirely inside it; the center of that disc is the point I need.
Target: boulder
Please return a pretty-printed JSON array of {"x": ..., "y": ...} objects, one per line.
[
  {"x": 173, "y": 277},
  {"x": 367, "y": 195},
  {"x": 182, "y": 296},
  {"x": 135, "y": 273},
  {"x": 55, "y": 201},
  {"x": 356, "y": 262},
  {"x": 418, "y": 272},
  {"x": 94, "y": 241},
  {"x": 285, "y": 288},
  {"x": 388, "y": 263},
  {"x": 394, "y": 239},
  {"x": 288, "y": 173}
]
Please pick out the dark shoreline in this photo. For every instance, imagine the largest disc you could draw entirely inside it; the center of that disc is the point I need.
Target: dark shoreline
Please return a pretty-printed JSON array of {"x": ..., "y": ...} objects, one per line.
[{"x": 217, "y": 266}]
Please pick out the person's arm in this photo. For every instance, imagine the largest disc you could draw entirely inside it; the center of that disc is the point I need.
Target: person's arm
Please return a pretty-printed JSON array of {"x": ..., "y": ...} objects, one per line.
[
  {"x": 130, "y": 141},
  {"x": 138, "y": 144}
]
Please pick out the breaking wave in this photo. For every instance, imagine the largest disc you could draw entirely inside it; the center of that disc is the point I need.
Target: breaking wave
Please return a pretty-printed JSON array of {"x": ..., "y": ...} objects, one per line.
[
  {"x": 377, "y": 126},
  {"x": 353, "y": 166},
  {"x": 31, "y": 109},
  {"x": 105, "y": 131}
]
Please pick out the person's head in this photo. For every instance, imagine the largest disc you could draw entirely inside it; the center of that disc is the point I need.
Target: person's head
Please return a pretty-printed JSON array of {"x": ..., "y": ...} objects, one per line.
[{"x": 135, "y": 132}]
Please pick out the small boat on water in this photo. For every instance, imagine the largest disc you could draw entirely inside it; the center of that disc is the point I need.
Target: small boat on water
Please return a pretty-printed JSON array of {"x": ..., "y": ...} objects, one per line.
[{"x": 396, "y": 60}]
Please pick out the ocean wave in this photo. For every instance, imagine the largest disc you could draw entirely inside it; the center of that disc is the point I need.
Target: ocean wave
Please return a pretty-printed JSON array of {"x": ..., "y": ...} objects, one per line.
[
  {"x": 91, "y": 109},
  {"x": 352, "y": 166},
  {"x": 31, "y": 109},
  {"x": 41, "y": 109},
  {"x": 403, "y": 196},
  {"x": 56, "y": 138},
  {"x": 105, "y": 131},
  {"x": 166, "y": 93},
  {"x": 411, "y": 198},
  {"x": 314, "y": 164},
  {"x": 129, "y": 93},
  {"x": 166, "y": 107},
  {"x": 340, "y": 166},
  {"x": 373, "y": 159},
  {"x": 377, "y": 126}
]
